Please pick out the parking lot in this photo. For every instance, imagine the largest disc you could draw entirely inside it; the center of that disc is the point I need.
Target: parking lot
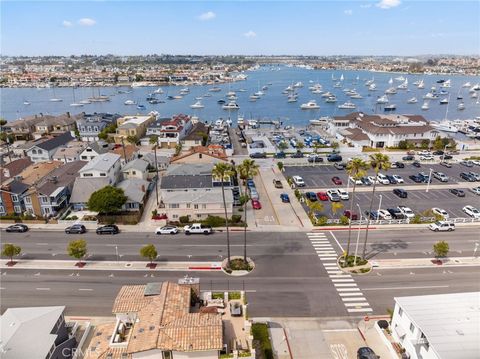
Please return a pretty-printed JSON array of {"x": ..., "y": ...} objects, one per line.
[{"x": 318, "y": 178}]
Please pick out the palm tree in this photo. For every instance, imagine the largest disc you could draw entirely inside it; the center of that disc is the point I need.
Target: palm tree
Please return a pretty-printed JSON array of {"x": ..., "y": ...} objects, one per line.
[
  {"x": 300, "y": 146},
  {"x": 247, "y": 169},
  {"x": 154, "y": 141},
  {"x": 335, "y": 207},
  {"x": 378, "y": 161},
  {"x": 223, "y": 171},
  {"x": 314, "y": 207},
  {"x": 316, "y": 146},
  {"x": 356, "y": 169}
]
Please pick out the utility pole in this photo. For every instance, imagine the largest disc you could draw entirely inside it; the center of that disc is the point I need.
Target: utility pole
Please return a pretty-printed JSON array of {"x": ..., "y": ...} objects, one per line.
[
  {"x": 156, "y": 169},
  {"x": 124, "y": 152}
]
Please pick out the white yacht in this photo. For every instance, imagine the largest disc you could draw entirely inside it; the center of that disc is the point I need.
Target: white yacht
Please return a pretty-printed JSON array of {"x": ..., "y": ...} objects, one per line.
[
  {"x": 421, "y": 85},
  {"x": 461, "y": 106},
  {"x": 197, "y": 104},
  {"x": 447, "y": 84},
  {"x": 331, "y": 99},
  {"x": 85, "y": 102},
  {"x": 215, "y": 89},
  {"x": 26, "y": 103},
  {"x": 298, "y": 84},
  {"x": 391, "y": 91},
  {"x": 430, "y": 96},
  {"x": 467, "y": 84},
  {"x": 412, "y": 100},
  {"x": 310, "y": 105},
  {"x": 56, "y": 99},
  {"x": 356, "y": 96},
  {"x": 444, "y": 126},
  {"x": 372, "y": 87},
  {"x": 403, "y": 86},
  {"x": 327, "y": 94},
  {"x": 444, "y": 101},
  {"x": 76, "y": 104},
  {"x": 425, "y": 106},
  {"x": 254, "y": 97},
  {"x": 382, "y": 99},
  {"x": 129, "y": 102},
  {"x": 232, "y": 105},
  {"x": 338, "y": 85},
  {"x": 347, "y": 105},
  {"x": 317, "y": 91}
]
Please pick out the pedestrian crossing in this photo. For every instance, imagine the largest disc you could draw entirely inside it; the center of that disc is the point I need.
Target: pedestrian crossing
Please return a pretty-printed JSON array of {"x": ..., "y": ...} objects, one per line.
[{"x": 352, "y": 298}]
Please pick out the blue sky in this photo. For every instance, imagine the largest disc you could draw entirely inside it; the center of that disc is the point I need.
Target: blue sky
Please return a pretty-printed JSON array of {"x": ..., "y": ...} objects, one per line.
[{"x": 380, "y": 27}]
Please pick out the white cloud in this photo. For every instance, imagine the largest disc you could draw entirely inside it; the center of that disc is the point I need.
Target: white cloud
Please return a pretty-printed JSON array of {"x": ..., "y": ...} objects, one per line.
[
  {"x": 366, "y": 6},
  {"x": 67, "y": 23},
  {"x": 250, "y": 34},
  {"x": 86, "y": 22},
  {"x": 206, "y": 16},
  {"x": 348, "y": 12},
  {"x": 387, "y": 4}
]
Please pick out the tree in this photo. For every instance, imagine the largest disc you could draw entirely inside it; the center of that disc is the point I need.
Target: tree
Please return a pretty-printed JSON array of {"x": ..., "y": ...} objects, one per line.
[
  {"x": 77, "y": 249},
  {"x": 223, "y": 171},
  {"x": 378, "y": 162},
  {"x": 335, "y": 207},
  {"x": 3, "y": 122},
  {"x": 282, "y": 146},
  {"x": 316, "y": 146},
  {"x": 280, "y": 166},
  {"x": 425, "y": 144},
  {"x": 11, "y": 250},
  {"x": 150, "y": 252},
  {"x": 132, "y": 139},
  {"x": 314, "y": 207},
  {"x": 247, "y": 169},
  {"x": 438, "y": 144},
  {"x": 178, "y": 149},
  {"x": 356, "y": 169},
  {"x": 440, "y": 249},
  {"x": 300, "y": 146},
  {"x": 109, "y": 199}
]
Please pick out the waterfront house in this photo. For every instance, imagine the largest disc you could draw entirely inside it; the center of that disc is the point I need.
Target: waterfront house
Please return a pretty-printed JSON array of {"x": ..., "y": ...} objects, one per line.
[
  {"x": 196, "y": 136},
  {"x": 155, "y": 321},
  {"x": 56, "y": 124},
  {"x": 35, "y": 332},
  {"x": 91, "y": 125},
  {"x": 169, "y": 131},
  {"x": 51, "y": 194},
  {"x": 132, "y": 126},
  {"x": 45, "y": 150},
  {"x": 23, "y": 128}
]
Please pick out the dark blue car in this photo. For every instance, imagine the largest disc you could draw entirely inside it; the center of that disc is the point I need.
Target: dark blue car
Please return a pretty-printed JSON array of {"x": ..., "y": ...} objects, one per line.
[{"x": 284, "y": 197}]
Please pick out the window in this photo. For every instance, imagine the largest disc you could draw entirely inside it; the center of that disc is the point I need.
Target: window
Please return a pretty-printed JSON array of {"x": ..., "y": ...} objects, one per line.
[
  {"x": 134, "y": 172},
  {"x": 199, "y": 155},
  {"x": 84, "y": 157},
  {"x": 412, "y": 327},
  {"x": 103, "y": 174},
  {"x": 40, "y": 152},
  {"x": 17, "y": 209},
  {"x": 14, "y": 198},
  {"x": 400, "y": 311},
  {"x": 46, "y": 210},
  {"x": 188, "y": 205},
  {"x": 173, "y": 205},
  {"x": 34, "y": 151},
  {"x": 2, "y": 210},
  {"x": 175, "y": 216},
  {"x": 204, "y": 206},
  {"x": 199, "y": 215},
  {"x": 44, "y": 199},
  {"x": 167, "y": 355},
  {"x": 87, "y": 175},
  {"x": 195, "y": 206}
]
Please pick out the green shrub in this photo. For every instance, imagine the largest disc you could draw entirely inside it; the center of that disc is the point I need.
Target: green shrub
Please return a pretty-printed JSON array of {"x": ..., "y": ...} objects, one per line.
[
  {"x": 416, "y": 220},
  {"x": 218, "y": 295},
  {"x": 234, "y": 295},
  {"x": 297, "y": 193},
  {"x": 322, "y": 221},
  {"x": 184, "y": 219},
  {"x": 236, "y": 218},
  {"x": 260, "y": 334},
  {"x": 154, "y": 213},
  {"x": 344, "y": 220},
  {"x": 214, "y": 221}
]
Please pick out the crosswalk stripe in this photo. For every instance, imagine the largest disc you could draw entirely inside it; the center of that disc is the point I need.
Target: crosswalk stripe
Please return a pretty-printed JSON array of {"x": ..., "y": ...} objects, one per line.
[
  {"x": 329, "y": 259},
  {"x": 353, "y": 299},
  {"x": 365, "y": 304},
  {"x": 350, "y": 294},
  {"x": 321, "y": 255},
  {"x": 342, "y": 280},
  {"x": 351, "y": 289},
  {"x": 356, "y": 310},
  {"x": 338, "y": 274},
  {"x": 345, "y": 284},
  {"x": 319, "y": 250},
  {"x": 315, "y": 245}
]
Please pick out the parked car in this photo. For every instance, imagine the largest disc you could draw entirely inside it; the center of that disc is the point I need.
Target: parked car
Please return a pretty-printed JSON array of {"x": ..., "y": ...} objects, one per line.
[
  {"x": 366, "y": 181},
  {"x": 236, "y": 309},
  {"x": 442, "y": 226},
  {"x": 440, "y": 212},
  {"x": 333, "y": 195},
  {"x": 457, "y": 192},
  {"x": 408, "y": 158},
  {"x": 398, "y": 164},
  {"x": 475, "y": 190},
  {"x": 384, "y": 214},
  {"x": 475, "y": 175},
  {"x": 446, "y": 164},
  {"x": 250, "y": 183},
  {"x": 19, "y": 228},
  {"x": 391, "y": 179},
  {"x": 447, "y": 157},
  {"x": 297, "y": 154},
  {"x": 258, "y": 155},
  {"x": 400, "y": 192},
  {"x": 108, "y": 229},
  {"x": 253, "y": 193},
  {"x": 416, "y": 178},
  {"x": 407, "y": 212},
  {"x": 311, "y": 196},
  {"x": 352, "y": 215},
  {"x": 471, "y": 211},
  {"x": 357, "y": 181},
  {"x": 322, "y": 196},
  {"x": 339, "y": 165},
  {"x": 427, "y": 158},
  {"x": 467, "y": 163},
  {"x": 416, "y": 164},
  {"x": 284, "y": 197},
  {"x": 334, "y": 158},
  {"x": 438, "y": 153},
  {"x": 280, "y": 155},
  {"x": 166, "y": 230},
  {"x": 256, "y": 204},
  {"x": 425, "y": 177},
  {"x": 197, "y": 228},
  {"x": 382, "y": 179},
  {"x": 315, "y": 159},
  {"x": 467, "y": 177},
  {"x": 343, "y": 194},
  {"x": 337, "y": 180},
  {"x": 277, "y": 183},
  {"x": 298, "y": 181},
  {"x": 398, "y": 178},
  {"x": 371, "y": 215},
  {"x": 442, "y": 177},
  {"x": 366, "y": 353},
  {"x": 396, "y": 213},
  {"x": 424, "y": 153},
  {"x": 76, "y": 229}
]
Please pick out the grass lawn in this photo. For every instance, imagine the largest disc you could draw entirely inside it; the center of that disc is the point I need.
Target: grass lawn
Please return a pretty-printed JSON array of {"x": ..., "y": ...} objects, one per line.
[{"x": 260, "y": 335}]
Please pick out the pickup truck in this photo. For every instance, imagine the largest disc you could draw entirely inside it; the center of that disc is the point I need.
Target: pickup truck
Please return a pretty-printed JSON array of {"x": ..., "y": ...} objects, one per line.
[{"x": 197, "y": 228}]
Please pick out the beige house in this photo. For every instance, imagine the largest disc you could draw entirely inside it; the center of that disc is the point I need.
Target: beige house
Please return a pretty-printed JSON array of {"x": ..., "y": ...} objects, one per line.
[{"x": 132, "y": 126}]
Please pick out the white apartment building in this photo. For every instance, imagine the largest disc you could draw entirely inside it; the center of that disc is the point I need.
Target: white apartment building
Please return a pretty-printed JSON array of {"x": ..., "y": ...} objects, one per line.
[
  {"x": 106, "y": 165},
  {"x": 440, "y": 326}
]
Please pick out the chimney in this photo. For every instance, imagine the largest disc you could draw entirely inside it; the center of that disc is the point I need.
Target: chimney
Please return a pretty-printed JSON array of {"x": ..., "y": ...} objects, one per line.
[{"x": 68, "y": 114}]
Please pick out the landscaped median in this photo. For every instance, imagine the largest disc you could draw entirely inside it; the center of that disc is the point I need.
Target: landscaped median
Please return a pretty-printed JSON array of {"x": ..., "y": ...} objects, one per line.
[
  {"x": 112, "y": 265},
  {"x": 354, "y": 265}
]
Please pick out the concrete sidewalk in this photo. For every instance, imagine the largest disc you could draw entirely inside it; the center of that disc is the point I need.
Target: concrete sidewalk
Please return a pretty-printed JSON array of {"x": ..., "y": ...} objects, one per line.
[
  {"x": 372, "y": 337},
  {"x": 112, "y": 265},
  {"x": 425, "y": 262}
]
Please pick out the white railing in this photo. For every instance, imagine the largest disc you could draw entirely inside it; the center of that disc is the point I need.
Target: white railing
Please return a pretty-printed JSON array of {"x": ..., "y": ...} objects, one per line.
[{"x": 424, "y": 220}]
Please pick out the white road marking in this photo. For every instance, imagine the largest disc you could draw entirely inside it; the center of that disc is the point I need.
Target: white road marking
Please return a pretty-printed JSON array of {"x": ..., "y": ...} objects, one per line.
[
  {"x": 350, "y": 294},
  {"x": 394, "y": 288},
  {"x": 337, "y": 272},
  {"x": 351, "y": 289},
  {"x": 339, "y": 351},
  {"x": 356, "y": 310},
  {"x": 345, "y": 284},
  {"x": 362, "y": 304},
  {"x": 329, "y": 259},
  {"x": 85, "y": 289},
  {"x": 335, "y": 238},
  {"x": 353, "y": 299},
  {"x": 342, "y": 280},
  {"x": 42, "y": 288}
]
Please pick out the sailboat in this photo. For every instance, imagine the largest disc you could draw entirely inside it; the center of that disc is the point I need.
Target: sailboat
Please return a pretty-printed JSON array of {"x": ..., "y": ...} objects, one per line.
[
  {"x": 341, "y": 77},
  {"x": 55, "y": 99},
  {"x": 421, "y": 85},
  {"x": 403, "y": 86},
  {"x": 447, "y": 84},
  {"x": 75, "y": 104},
  {"x": 425, "y": 106},
  {"x": 391, "y": 90}
]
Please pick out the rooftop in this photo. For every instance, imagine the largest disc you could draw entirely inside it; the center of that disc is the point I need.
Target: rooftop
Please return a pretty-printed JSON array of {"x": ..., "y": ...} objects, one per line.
[
  {"x": 60, "y": 177},
  {"x": 213, "y": 195},
  {"x": 35, "y": 172},
  {"x": 137, "y": 164},
  {"x": 136, "y": 120},
  {"x": 55, "y": 142},
  {"x": 26, "y": 332},
  {"x": 134, "y": 189},
  {"x": 450, "y": 322},
  {"x": 102, "y": 162},
  {"x": 84, "y": 187}
]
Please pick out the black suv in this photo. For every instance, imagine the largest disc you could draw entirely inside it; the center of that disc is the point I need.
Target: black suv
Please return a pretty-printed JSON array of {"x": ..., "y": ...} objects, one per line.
[
  {"x": 297, "y": 154},
  {"x": 108, "y": 229},
  {"x": 457, "y": 192},
  {"x": 396, "y": 213},
  {"x": 280, "y": 155},
  {"x": 334, "y": 158},
  {"x": 408, "y": 158},
  {"x": 398, "y": 165},
  {"x": 76, "y": 229},
  {"x": 400, "y": 192}
]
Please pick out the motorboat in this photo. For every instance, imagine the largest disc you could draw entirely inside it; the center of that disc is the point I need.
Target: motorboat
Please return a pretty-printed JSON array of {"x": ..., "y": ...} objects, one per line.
[
  {"x": 447, "y": 84},
  {"x": 338, "y": 85},
  {"x": 317, "y": 91},
  {"x": 76, "y": 104},
  {"x": 430, "y": 96},
  {"x": 155, "y": 101},
  {"x": 56, "y": 100},
  {"x": 310, "y": 105},
  {"x": 320, "y": 121},
  {"x": 425, "y": 106},
  {"x": 412, "y": 100},
  {"x": 443, "y": 92},
  {"x": 298, "y": 84},
  {"x": 230, "y": 93},
  {"x": 208, "y": 95},
  {"x": 292, "y": 98},
  {"x": 382, "y": 99},
  {"x": 232, "y": 98},
  {"x": 259, "y": 93},
  {"x": 198, "y": 98},
  {"x": 391, "y": 91},
  {"x": 445, "y": 126},
  {"x": 444, "y": 101},
  {"x": 26, "y": 103},
  {"x": 242, "y": 90},
  {"x": 316, "y": 86},
  {"x": 129, "y": 102},
  {"x": 474, "y": 95},
  {"x": 85, "y": 102},
  {"x": 331, "y": 99},
  {"x": 158, "y": 91},
  {"x": 215, "y": 89},
  {"x": 254, "y": 97},
  {"x": 356, "y": 96},
  {"x": 232, "y": 105},
  {"x": 221, "y": 101},
  {"x": 467, "y": 84},
  {"x": 348, "y": 106},
  {"x": 197, "y": 104},
  {"x": 141, "y": 107},
  {"x": 441, "y": 81},
  {"x": 372, "y": 87},
  {"x": 327, "y": 94},
  {"x": 400, "y": 78},
  {"x": 390, "y": 107},
  {"x": 461, "y": 106},
  {"x": 177, "y": 97}
]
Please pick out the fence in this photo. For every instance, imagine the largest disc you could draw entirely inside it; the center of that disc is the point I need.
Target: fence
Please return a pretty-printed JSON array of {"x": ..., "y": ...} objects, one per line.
[{"x": 403, "y": 221}]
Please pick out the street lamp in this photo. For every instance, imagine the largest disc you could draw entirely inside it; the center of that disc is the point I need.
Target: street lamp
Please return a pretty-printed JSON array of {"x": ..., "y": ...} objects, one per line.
[
  {"x": 358, "y": 236},
  {"x": 116, "y": 252},
  {"x": 379, "y": 203},
  {"x": 444, "y": 149},
  {"x": 429, "y": 179}
]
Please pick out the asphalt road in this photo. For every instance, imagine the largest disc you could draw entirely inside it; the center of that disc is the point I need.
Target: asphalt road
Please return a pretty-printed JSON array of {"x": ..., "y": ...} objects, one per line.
[{"x": 289, "y": 279}]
